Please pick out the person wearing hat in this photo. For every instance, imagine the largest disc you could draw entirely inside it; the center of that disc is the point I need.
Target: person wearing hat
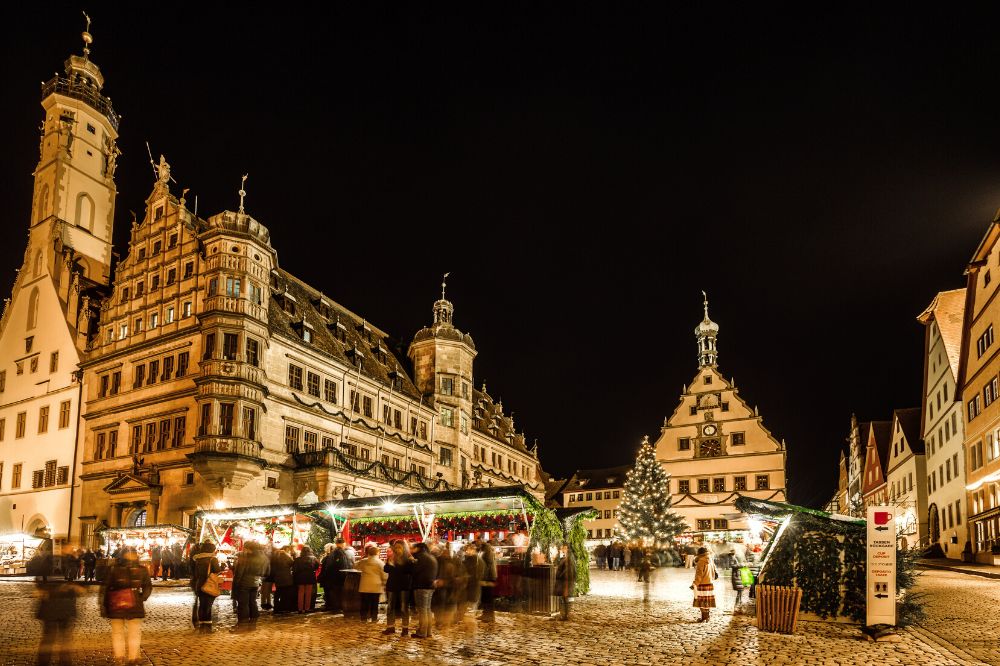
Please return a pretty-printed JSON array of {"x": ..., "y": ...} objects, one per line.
[{"x": 704, "y": 587}]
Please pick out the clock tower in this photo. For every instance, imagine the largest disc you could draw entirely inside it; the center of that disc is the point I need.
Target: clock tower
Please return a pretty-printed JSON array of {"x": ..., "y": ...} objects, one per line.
[{"x": 716, "y": 448}]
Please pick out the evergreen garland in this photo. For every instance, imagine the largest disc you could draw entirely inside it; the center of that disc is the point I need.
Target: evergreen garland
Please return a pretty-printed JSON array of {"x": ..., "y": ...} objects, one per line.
[
  {"x": 577, "y": 535},
  {"x": 318, "y": 537},
  {"x": 823, "y": 569},
  {"x": 854, "y": 577},
  {"x": 644, "y": 513}
]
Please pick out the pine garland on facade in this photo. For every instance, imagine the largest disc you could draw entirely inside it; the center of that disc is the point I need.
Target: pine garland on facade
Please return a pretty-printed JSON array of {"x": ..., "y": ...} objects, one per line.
[{"x": 644, "y": 513}]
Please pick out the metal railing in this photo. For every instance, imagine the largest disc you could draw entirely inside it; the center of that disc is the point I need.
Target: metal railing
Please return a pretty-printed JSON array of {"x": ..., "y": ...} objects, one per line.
[
  {"x": 376, "y": 470},
  {"x": 83, "y": 92},
  {"x": 236, "y": 446}
]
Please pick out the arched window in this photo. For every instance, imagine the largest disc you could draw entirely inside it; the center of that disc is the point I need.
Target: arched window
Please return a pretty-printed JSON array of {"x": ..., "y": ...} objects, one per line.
[
  {"x": 85, "y": 212},
  {"x": 37, "y": 268},
  {"x": 137, "y": 518},
  {"x": 33, "y": 309},
  {"x": 43, "y": 204}
]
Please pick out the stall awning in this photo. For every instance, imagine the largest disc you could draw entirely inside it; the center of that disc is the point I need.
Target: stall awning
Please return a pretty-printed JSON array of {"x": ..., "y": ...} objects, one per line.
[{"x": 502, "y": 498}]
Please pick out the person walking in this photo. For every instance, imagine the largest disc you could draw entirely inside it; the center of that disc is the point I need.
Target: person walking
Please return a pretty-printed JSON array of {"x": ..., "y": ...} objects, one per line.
[
  {"x": 326, "y": 576},
  {"x": 704, "y": 588},
  {"x": 267, "y": 585},
  {"x": 56, "y": 608},
  {"x": 89, "y": 565},
  {"x": 155, "y": 557},
  {"x": 565, "y": 579},
  {"x": 474, "y": 568},
  {"x": 398, "y": 587},
  {"x": 689, "y": 554},
  {"x": 373, "y": 578},
  {"x": 644, "y": 568},
  {"x": 600, "y": 554},
  {"x": 121, "y": 599},
  {"x": 424, "y": 574},
  {"x": 304, "y": 576},
  {"x": 205, "y": 584},
  {"x": 627, "y": 555},
  {"x": 488, "y": 582},
  {"x": 443, "y": 599},
  {"x": 284, "y": 598},
  {"x": 341, "y": 562},
  {"x": 251, "y": 567}
]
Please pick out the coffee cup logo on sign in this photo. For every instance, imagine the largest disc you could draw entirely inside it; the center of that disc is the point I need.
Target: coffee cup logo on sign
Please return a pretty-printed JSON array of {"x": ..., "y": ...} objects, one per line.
[{"x": 882, "y": 517}]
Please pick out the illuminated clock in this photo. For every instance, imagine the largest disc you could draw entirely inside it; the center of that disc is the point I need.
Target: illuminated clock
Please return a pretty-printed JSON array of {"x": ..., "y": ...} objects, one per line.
[
  {"x": 709, "y": 430},
  {"x": 710, "y": 448}
]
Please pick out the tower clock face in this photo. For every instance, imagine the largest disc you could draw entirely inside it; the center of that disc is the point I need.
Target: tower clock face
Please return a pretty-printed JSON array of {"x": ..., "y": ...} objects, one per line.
[
  {"x": 709, "y": 430},
  {"x": 710, "y": 448}
]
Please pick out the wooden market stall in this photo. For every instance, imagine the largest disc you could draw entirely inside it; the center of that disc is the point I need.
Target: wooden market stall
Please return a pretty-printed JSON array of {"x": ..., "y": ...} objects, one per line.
[{"x": 144, "y": 539}]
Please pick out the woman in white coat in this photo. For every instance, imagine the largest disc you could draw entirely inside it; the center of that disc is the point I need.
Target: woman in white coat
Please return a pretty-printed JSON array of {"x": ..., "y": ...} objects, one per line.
[{"x": 372, "y": 583}]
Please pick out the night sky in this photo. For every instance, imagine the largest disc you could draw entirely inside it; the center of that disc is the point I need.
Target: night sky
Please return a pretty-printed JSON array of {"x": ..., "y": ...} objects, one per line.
[{"x": 583, "y": 174}]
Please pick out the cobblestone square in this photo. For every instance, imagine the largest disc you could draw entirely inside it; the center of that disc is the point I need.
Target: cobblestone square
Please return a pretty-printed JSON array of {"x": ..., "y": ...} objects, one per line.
[{"x": 611, "y": 626}]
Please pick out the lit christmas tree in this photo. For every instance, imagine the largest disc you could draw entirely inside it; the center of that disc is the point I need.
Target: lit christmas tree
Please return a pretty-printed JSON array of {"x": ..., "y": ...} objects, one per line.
[{"x": 644, "y": 514}]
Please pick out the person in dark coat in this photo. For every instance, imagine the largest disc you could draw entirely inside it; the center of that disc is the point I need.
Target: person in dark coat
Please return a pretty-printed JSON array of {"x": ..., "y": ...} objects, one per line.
[
  {"x": 284, "y": 584},
  {"x": 304, "y": 577},
  {"x": 204, "y": 563},
  {"x": 424, "y": 575},
  {"x": 443, "y": 599},
  {"x": 167, "y": 565},
  {"x": 89, "y": 565},
  {"x": 488, "y": 582},
  {"x": 57, "y": 611},
  {"x": 398, "y": 586},
  {"x": 122, "y": 598},
  {"x": 565, "y": 579},
  {"x": 326, "y": 576},
  {"x": 251, "y": 568},
  {"x": 155, "y": 556},
  {"x": 342, "y": 560}
]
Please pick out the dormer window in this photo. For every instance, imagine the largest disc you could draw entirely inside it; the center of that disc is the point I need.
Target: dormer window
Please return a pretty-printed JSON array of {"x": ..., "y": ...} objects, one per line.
[
  {"x": 356, "y": 356},
  {"x": 708, "y": 379},
  {"x": 157, "y": 215},
  {"x": 305, "y": 331},
  {"x": 365, "y": 331},
  {"x": 338, "y": 330}
]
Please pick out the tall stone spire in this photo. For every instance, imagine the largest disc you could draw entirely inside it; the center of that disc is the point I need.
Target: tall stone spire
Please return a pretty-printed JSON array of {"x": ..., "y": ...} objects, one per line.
[{"x": 706, "y": 332}]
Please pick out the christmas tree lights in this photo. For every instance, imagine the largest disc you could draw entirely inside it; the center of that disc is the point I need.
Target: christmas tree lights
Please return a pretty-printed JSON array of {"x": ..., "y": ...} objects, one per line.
[{"x": 644, "y": 514}]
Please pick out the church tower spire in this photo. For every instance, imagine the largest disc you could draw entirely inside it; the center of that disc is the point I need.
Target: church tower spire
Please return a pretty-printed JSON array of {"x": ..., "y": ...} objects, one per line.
[{"x": 706, "y": 332}]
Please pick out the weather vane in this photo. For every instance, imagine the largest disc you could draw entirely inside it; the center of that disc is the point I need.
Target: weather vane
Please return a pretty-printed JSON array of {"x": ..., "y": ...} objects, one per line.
[
  {"x": 705, "y": 296},
  {"x": 243, "y": 191},
  {"x": 444, "y": 284},
  {"x": 88, "y": 39}
]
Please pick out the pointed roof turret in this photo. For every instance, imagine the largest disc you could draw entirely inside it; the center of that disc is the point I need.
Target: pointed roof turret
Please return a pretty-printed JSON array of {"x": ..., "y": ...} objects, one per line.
[{"x": 706, "y": 332}]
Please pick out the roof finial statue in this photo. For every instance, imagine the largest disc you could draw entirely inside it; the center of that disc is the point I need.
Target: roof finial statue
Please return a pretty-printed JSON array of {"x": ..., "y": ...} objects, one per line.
[
  {"x": 444, "y": 284},
  {"x": 243, "y": 191},
  {"x": 705, "y": 296},
  {"x": 88, "y": 39}
]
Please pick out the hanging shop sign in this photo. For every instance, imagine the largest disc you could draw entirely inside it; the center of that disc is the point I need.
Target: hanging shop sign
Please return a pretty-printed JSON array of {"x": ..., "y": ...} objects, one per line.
[{"x": 881, "y": 580}]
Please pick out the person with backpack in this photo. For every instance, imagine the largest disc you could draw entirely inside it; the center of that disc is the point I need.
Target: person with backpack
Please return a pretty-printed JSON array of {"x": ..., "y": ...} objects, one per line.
[
  {"x": 122, "y": 598},
  {"x": 205, "y": 583}
]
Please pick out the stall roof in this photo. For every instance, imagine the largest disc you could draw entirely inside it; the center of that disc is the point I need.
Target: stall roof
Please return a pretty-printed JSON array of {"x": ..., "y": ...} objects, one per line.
[
  {"x": 751, "y": 505},
  {"x": 249, "y": 512},
  {"x": 444, "y": 502},
  {"x": 145, "y": 529}
]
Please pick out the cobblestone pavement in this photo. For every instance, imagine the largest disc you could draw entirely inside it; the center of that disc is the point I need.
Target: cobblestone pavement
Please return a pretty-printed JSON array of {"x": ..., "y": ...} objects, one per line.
[{"x": 610, "y": 626}]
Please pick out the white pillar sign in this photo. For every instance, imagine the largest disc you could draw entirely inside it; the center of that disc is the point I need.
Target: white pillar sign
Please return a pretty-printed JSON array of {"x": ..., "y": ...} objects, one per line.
[{"x": 881, "y": 565}]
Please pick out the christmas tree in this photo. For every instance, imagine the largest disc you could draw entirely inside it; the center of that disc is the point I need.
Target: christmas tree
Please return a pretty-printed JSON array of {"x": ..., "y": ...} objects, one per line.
[{"x": 644, "y": 514}]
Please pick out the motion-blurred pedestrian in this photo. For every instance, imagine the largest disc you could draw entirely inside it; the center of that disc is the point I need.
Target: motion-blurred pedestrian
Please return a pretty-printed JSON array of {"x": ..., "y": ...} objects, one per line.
[
  {"x": 56, "y": 608},
  {"x": 122, "y": 598}
]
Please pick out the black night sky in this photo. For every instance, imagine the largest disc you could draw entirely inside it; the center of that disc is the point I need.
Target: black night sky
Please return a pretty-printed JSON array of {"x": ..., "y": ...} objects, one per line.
[{"x": 583, "y": 173}]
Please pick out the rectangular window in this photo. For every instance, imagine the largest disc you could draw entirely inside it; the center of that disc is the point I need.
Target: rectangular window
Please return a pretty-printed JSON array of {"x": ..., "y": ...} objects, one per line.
[
  {"x": 312, "y": 383},
  {"x": 170, "y": 315},
  {"x": 154, "y": 283},
  {"x": 99, "y": 446},
  {"x": 590, "y": 496},
  {"x": 112, "y": 444},
  {"x": 367, "y": 403},
  {"x": 182, "y": 364},
  {"x": 447, "y": 417},
  {"x": 233, "y": 287},
  {"x": 295, "y": 377},
  {"x": 164, "y": 439},
  {"x": 213, "y": 286},
  {"x": 22, "y": 420},
  {"x": 135, "y": 445},
  {"x": 684, "y": 486},
  {"x": 763, "y": 482},
  {"x": 186, "y": 309},
  {"x": 253, "y": 352},
  {"x": 3, "y": 428},
  {"x": 43, "y": 420},
  {"x": 168, "y": 367},
  {"x": 3, "y": 381},
  {"x": 446, "y": 456},
  {"x": 180, "y": 425},
  {"x": 15, "y": 480},
  {"x": 719, "y": 485},
  {"x": 171, "y": 276},
  {"x": 37, "y": 478},
  {"x": 704, "y": 524},
  {"x": 154, "y": 372},
  {"x": 702, "y": 485},
  {"x": 230, "y": 342},
  {"x": 386, "y": 414},
  {"x": 54, "y": 362},
  {"x": 447, "y": 386},
  {"x": 958, "y": 511},
  {"x": 291, "y": 439},
  {"x": 684, "y": 444},
  {"x": 694, "y": 410},
  {"x": 209, "y": 351},
  {"x": 188, "y": 269},
  {"x": 397, "y": 419},
  {"x": 150, "y": 442},
  {"x": 206, "y": 419},
  {"x": 50, "y": 473},
  {"x": 154, "y": 320},
  {"x": 105, "y": 382},
  {"x": 615, "y": 495},
  {"x": 140, "y": 289},
  {"x": 309, "y": 440},
  {"x": 739, "y": 483},
  {"x": 255, "y": 293},
  {"x": 423, "y": 430},
  {"x": 463, "y": 424},
  {"x": 34, "y": 364},
  {"x": 721, "y": 523},
  {"x": 226, "y": 411},
  {"x": 330, "y": 391},
  {"x": 739, "y": 439},
  {"x": 157, "y": 246},
  {"x": 116, "y": 382}
]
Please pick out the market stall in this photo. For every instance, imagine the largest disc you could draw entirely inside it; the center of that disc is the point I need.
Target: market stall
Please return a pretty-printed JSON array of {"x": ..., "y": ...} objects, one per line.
[
  {"x": 274, "y": 526},
  {"x": 15, "y": 551}
]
